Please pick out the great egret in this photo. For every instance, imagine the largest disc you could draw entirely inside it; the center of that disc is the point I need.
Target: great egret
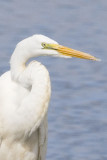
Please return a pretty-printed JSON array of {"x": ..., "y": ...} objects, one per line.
[{"x": 24, "y": 97}]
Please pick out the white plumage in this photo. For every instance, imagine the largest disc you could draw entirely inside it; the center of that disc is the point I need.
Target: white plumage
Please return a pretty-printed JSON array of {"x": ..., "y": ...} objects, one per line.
[{"x": 24, "y": 96}]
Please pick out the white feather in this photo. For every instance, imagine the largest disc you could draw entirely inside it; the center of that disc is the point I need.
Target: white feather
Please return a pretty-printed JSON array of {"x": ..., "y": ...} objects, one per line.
[{"x": 24, "y": 97}]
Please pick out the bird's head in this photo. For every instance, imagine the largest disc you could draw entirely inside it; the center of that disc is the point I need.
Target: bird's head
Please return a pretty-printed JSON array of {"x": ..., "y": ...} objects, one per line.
[{"x": 39, "y": 45}]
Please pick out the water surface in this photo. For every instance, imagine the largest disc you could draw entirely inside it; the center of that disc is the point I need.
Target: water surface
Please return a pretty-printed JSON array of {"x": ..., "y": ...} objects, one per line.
[{"x": 78, "y": 107}]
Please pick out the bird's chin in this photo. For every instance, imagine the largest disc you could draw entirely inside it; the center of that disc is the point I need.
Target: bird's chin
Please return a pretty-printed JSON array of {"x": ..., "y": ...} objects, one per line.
[{"x": 61, "y": 56}]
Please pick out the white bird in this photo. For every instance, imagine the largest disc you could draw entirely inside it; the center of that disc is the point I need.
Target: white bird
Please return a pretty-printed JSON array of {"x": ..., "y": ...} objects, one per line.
[{"x": 24, "y": 97}]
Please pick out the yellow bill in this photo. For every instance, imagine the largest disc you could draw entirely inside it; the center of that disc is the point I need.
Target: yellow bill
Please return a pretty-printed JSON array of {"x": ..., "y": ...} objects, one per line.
[{"x": 65, "y": 51}]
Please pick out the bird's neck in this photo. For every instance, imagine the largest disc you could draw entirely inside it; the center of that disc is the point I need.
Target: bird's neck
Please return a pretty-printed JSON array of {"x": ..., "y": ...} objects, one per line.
[
  {"x": 19, "y": 70},
  {"x": 35, "y": 78}
]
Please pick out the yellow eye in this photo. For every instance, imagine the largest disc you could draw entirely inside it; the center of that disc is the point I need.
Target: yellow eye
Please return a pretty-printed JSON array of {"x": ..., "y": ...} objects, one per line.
[{"x": 43, "y": 44}]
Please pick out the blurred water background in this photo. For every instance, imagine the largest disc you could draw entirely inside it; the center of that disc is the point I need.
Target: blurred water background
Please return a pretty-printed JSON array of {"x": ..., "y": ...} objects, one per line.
[{"x": 78, "y": 107}]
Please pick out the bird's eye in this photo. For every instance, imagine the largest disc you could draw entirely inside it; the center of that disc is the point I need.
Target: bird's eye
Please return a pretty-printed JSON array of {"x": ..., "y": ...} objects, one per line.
[{"x": 43, "y": 44}]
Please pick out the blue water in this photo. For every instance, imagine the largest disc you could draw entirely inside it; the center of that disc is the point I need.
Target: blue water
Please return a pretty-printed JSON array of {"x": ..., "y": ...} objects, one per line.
[{"x": 78, "y": 108}]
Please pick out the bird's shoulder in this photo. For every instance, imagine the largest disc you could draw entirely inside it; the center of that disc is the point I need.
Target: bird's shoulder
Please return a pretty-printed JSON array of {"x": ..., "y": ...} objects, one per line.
[
  {"x": 6, "y": 82},
  {"x": 10, "y": 91},
  {"x": 38, "y": 67},
  {"x": 5, "y": 76},
  {"x": 38, "y": 72}
]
